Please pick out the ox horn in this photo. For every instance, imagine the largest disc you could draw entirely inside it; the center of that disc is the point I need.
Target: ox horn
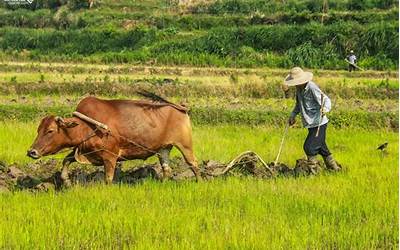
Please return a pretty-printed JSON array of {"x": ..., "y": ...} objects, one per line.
[{"x": 59, "y": 119}]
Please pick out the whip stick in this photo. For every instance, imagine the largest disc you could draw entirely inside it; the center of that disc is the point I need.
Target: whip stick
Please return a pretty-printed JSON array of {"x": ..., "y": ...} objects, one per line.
[{"x": 280, "y": 147}]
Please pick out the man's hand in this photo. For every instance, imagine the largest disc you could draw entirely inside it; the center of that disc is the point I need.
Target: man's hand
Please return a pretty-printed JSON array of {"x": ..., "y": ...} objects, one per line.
[
  {"x": 323, "y": 112},
  {"x": 292, "y": 120}
]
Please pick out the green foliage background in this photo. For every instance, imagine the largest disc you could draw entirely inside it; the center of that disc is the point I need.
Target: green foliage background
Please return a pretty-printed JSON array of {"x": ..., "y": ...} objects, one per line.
[{"x": 230, "y": 33}]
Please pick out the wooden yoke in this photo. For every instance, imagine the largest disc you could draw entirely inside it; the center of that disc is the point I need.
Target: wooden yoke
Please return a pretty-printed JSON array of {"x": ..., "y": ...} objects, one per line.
[{"x": 90, "y": 120}]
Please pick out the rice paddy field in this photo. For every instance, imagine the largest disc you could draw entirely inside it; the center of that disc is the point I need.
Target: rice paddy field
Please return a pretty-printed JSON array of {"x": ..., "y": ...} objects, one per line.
[{"x": 232, "y": 110}]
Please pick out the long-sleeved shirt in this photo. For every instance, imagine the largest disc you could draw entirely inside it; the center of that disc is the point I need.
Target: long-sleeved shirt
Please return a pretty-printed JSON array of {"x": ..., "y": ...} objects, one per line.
[
  {"x": 352, "y": 58},
  {"x": 308, "y": 103}
]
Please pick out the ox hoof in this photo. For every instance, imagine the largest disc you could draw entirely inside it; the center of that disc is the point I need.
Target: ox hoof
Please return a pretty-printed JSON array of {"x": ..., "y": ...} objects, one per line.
[
  {"x": 67, "y": 183},
  {"x": 198, "y": 179}
]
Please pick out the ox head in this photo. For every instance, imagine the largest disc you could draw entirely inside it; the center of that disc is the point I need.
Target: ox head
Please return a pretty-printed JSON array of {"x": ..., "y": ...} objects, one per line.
[{"x": 52, "y": 136}]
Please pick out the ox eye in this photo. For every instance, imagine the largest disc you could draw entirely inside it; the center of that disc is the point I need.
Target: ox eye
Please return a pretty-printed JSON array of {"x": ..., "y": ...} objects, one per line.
[{"x": 50, "y": 131}]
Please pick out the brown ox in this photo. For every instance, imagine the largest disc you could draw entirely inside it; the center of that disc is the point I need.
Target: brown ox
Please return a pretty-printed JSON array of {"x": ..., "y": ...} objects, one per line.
[{"x": 136, "y": 130}]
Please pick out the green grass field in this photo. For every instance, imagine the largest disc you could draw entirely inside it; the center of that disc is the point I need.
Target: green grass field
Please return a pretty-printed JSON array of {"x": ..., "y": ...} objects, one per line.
[
  {"x": 224, "y": 142},
  {"x": 356, "y": 208},
  {"x": 316, "y": 213}
]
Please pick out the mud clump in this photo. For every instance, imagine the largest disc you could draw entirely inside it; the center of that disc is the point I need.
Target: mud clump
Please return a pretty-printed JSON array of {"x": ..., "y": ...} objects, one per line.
[
  {"x": 45, "y": 175},
  {"x": 304, "y": 168}
]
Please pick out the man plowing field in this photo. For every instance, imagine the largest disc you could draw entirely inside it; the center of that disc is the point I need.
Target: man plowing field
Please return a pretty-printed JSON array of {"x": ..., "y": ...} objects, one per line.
[{"x": 313, "y": 105}]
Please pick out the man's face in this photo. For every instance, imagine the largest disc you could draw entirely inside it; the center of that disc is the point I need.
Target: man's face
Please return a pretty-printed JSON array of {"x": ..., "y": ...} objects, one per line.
[{"x": 301, "y": 86}]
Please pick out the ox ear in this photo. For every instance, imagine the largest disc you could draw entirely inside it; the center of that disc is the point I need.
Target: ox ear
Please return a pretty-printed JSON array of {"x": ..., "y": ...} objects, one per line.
[{"x": 65, "y": 124}]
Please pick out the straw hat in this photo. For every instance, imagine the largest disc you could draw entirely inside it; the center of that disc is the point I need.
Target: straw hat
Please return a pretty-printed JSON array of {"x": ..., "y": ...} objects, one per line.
[{"x": 297, "y": 77}]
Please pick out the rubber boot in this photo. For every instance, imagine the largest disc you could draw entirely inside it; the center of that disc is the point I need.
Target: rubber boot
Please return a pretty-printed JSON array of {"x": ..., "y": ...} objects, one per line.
[
  {"x": 313, "y": 163},
  {"x": 331, "y": 164}
]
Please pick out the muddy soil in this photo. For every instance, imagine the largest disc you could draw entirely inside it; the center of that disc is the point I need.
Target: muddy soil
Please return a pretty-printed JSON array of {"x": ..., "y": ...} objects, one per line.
[{"x": 44, "y": 175}]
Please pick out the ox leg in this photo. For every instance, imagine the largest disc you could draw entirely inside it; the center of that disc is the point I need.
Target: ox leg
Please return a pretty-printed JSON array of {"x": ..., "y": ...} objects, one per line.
[
  {"x": 190, "y": 159},
  {"x": 163, "y": 156},
  {"x": 109, "y": 169},
  {"x": 70, "y": 158}
]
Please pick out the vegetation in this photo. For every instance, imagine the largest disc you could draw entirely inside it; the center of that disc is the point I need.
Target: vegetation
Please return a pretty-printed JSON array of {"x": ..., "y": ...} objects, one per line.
[
  {"x": 156, "y": 33},
  {"x": 354, "y": 209},
  {"x": 218, "y": 115},
  {"x": 248, "y": 98},
  {"x": 253, "y": 6}
]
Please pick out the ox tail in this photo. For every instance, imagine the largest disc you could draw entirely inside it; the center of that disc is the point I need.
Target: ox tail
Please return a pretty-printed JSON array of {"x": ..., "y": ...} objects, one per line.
[{"x": 157, "y": 98}]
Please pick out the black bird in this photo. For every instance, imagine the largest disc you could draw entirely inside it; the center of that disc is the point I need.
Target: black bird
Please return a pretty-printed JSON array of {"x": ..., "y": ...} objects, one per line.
[{"x": 383, "y": 146}]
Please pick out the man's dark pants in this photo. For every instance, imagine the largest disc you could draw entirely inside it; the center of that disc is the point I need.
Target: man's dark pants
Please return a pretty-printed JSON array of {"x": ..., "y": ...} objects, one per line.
[{"x": 316, "y": 145}]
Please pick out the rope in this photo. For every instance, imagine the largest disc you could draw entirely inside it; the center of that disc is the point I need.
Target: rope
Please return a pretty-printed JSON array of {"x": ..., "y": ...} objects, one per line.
[{"x": 239, "y": 157}]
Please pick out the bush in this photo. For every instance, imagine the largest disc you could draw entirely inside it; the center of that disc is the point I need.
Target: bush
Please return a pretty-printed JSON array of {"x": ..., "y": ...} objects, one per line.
[
  {"x": 312, "y": 45},
  {"x": 268, "y": 7},
  {"x": 64, "y": 18},
  {"x": 381, "y": 38},
  {"x": 77, "y": 4},
  {"x": 380, "y": 62},
  {"x": 304, "y": 55},
  {"x": 51, "y": 4}
]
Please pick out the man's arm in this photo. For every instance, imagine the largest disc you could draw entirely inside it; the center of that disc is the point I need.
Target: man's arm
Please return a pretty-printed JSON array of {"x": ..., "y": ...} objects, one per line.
[{"x": 296, "y": 109}]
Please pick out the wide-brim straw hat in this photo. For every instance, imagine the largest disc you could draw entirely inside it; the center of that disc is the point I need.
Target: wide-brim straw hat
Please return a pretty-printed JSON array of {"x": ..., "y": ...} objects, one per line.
[{"x": 298, "y": 77}]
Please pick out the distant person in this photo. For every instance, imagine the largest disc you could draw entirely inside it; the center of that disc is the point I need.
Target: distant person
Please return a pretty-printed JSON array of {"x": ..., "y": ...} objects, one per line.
[
  {"x": 312, "y": 104},
  {"x": 352, "y": 59}
]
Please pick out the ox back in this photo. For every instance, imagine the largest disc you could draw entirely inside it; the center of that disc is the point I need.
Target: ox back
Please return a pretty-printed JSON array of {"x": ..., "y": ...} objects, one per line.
[{"x": 153, "y": 125}]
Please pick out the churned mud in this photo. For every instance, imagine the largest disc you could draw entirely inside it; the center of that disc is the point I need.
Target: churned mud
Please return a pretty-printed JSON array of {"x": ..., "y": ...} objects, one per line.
[{"x": 44, "y": 175}]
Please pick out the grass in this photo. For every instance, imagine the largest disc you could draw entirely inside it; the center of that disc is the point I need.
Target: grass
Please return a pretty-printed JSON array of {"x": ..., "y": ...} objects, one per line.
[
  {"x": 214, "y": 114},
  {"x": 224, "y": 80},
  {"x": 240, "y": 102},
  {"x": 319, "y": 213},
  {"x": 350, "y": 145},
  {"x": 355, "y": 209},
  {"x": 14, "y": 66}
]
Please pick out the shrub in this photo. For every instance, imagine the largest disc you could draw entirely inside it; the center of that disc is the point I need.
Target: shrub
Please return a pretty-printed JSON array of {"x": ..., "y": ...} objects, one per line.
[
  {"x": 380, "y": 62},
  {"x": 304, "y": 55},
  {"x": 381, "y": 38}
]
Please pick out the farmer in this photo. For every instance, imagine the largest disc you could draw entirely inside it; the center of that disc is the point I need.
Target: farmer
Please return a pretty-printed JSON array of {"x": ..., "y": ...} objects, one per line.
[
  {"x": 312, "y": 104},
  {"x": 352, "y": 61}
]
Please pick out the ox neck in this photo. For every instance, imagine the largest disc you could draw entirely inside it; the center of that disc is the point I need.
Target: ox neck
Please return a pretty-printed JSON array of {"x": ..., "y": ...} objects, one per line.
[{"x": 80, "y": 133}]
